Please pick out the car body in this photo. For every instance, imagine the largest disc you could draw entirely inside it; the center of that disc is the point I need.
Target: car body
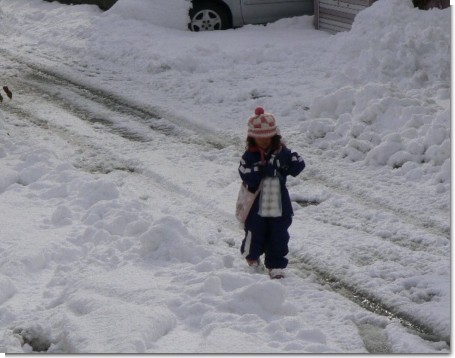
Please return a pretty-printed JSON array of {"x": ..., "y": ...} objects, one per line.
[{"x": 223, "y": 14}]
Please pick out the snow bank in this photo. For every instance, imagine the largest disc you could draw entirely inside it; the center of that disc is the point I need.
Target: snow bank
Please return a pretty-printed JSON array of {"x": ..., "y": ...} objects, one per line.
[
  {"x": 392, "y": 41},
  {"x": 393, "y": 105}
]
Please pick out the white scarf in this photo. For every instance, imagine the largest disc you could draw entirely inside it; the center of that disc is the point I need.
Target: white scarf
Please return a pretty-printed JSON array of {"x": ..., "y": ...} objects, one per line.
[{"x": 270, "y": 199}]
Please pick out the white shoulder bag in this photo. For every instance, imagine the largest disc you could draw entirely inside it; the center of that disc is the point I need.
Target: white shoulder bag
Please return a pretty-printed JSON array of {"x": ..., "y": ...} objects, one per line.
[{"x": 245, "y": 201}]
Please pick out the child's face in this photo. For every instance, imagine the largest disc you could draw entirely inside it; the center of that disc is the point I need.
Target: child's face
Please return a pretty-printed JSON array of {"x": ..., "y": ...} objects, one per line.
[{"x": 263, "y": 143}]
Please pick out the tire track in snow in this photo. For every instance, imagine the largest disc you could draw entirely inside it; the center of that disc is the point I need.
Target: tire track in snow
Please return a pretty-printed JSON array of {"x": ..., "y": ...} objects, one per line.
[
  {"x": 430, "y": 225},
  {"x": 351, "y": 265},
  {"x": 405, "y": 240},
  {"x": 183, "y": 130},
  {"x": 46, "y": 80},
  {"x": 107, "y": 160},
  {"x": 92, "y": 159},
  {"x": 366, "y": 300}
]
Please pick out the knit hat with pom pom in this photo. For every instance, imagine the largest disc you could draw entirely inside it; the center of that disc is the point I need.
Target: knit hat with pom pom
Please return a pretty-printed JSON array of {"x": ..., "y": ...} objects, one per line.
[{"x": 262, "y": 125}]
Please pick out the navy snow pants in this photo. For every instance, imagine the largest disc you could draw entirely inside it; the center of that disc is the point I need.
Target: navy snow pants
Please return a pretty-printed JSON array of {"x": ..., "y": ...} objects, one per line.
[{"x": 267, "y": 236}]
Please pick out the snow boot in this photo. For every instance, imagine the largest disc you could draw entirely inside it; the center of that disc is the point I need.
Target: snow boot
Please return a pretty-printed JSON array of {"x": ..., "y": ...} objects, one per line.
[
  {"x": 253, "y": 263},
  {"x": 255, "y": 266},
  {"x": 276, "y": 273}
]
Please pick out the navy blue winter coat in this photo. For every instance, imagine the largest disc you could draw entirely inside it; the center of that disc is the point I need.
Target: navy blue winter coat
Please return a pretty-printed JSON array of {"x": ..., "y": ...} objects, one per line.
[{"x": 282, "y": 163}]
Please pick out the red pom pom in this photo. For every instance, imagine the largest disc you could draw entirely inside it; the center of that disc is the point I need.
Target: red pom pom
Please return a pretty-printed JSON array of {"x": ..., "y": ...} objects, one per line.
[{"x": 259, "y": 111}]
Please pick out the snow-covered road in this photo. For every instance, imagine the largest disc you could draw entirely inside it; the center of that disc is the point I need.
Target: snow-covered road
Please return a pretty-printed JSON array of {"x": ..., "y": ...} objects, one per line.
[{"x": 118, "y": 218}]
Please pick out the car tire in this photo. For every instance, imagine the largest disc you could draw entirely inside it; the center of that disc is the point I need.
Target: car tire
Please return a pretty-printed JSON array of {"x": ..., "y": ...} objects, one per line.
[{"x": 208, "y": 16}]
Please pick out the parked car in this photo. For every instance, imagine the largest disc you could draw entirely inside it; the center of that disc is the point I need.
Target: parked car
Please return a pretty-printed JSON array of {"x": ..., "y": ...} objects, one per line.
[
  {"x": 103, "y": 4},
  {"x": 430, "y": 4},
  {"x": 207, "y": 15}
]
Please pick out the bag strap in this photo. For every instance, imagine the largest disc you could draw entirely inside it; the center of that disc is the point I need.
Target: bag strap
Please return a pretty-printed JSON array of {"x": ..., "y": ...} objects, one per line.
[{"x": 261, "y": 184}]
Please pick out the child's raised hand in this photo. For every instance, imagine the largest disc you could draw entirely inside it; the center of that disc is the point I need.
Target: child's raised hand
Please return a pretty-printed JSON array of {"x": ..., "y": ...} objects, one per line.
[{"x": 272, "y": 166}]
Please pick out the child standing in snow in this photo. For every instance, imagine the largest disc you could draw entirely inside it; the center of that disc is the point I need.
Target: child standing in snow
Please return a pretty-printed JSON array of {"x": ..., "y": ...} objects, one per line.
[{"x": 265, "y": 166}]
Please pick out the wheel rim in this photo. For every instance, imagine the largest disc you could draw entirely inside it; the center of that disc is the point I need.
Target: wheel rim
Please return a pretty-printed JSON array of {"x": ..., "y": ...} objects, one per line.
[{"x": 206, "y": 20}]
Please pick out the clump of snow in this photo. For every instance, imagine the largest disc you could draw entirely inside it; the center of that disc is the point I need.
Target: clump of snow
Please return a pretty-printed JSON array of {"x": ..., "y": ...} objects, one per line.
[
  {"x": 93, "y": 192},
  {"x": 8, "y": 178},
  {"x": 8, "y": 289},
  {"x": 62, "y": 216},
  {"x": 169, "y": 239},
  {"x": 263, "y": 299}
]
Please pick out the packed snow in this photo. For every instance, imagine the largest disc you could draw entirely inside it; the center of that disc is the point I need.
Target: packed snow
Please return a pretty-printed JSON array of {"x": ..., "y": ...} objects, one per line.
[{"x": 118, "y": 229}]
